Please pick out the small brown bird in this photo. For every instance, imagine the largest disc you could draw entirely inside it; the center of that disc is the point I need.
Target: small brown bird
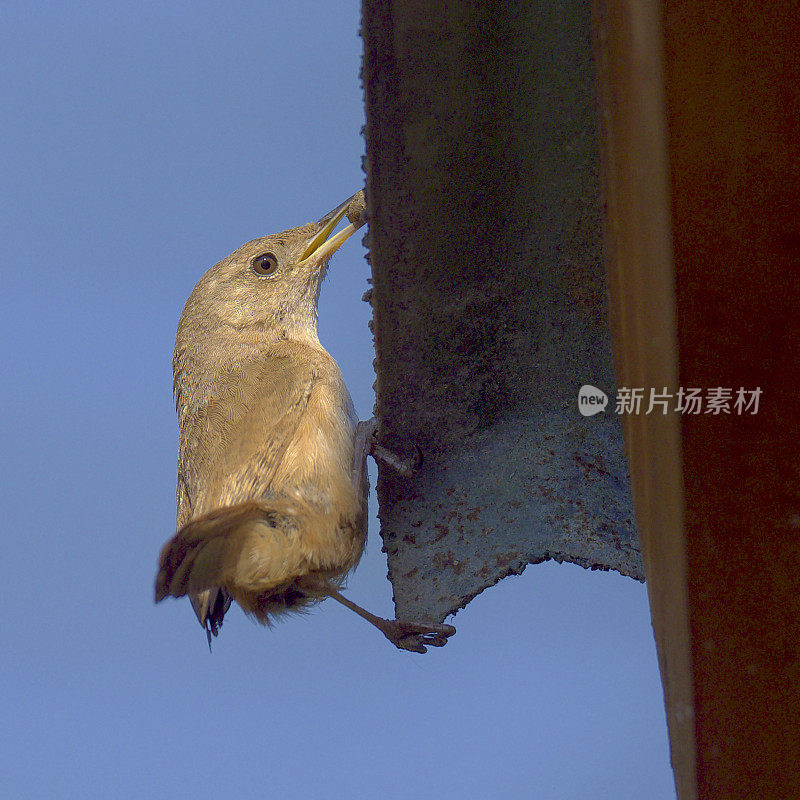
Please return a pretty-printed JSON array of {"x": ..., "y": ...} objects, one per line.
[{"x": 272, "y": 487}]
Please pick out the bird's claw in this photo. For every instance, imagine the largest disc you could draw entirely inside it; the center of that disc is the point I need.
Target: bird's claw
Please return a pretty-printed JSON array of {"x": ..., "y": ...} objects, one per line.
[
  {"x": 417, "y": 636},
  {"x": 403, "y": 465}
]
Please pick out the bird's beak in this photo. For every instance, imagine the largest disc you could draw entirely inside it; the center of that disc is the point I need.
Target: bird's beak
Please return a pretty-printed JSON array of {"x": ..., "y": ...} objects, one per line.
[{"x": 320, "y": 246}]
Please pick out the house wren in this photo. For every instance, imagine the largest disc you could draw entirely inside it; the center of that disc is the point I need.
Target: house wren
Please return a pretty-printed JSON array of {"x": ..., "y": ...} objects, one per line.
[{"x": 272, "y": 487}]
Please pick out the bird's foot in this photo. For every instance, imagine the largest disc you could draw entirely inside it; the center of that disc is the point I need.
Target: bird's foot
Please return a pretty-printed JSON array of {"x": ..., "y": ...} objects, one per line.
[
  {"x": 405, "y": 466},
  {"x": 415, "y": 636},
  {"x": 404, "y": 635}
]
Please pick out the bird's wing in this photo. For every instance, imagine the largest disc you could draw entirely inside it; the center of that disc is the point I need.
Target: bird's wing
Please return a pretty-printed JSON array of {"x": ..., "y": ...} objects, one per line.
[{"x": 233, "y": 444}]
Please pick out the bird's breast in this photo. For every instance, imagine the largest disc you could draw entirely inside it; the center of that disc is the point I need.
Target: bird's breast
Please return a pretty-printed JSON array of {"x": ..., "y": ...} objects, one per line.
[{"x": 318, "y": 463}]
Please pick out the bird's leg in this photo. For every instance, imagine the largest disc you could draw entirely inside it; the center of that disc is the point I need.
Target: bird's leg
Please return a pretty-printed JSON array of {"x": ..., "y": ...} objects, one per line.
[
  {"x": 412, "y": 636},
  {"x": 363, "y": 443}
]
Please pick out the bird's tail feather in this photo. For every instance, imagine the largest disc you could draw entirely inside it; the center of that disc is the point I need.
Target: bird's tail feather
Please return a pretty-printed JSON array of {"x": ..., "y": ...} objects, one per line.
[
  {"x": 210, "y": 606},
  {"x": 250, "y": 552}
]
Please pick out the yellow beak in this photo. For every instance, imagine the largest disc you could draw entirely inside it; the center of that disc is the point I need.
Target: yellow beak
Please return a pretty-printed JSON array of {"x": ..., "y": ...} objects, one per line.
[{"x": 320, "y": 246}]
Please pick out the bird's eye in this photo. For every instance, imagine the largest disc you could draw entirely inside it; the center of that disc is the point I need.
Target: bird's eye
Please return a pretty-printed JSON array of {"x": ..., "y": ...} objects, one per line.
[{"x": 265, "y": 264}]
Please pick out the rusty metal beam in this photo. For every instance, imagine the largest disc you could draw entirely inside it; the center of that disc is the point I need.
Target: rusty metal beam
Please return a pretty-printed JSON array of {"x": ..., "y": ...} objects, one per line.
[
  {"x": 733, "y": 111},
  {"x": 702, "y": 155},
  {"x": 489, "y": 297},
  {"x": 641, "y": 287}
]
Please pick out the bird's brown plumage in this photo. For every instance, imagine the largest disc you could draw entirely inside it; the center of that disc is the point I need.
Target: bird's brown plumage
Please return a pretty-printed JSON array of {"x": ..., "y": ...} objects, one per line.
[{"x": 271, "y": 506}]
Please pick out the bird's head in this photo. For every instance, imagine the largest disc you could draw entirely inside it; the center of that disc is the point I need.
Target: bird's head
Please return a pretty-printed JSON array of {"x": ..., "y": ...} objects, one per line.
[{"x": 271, "y": 284}]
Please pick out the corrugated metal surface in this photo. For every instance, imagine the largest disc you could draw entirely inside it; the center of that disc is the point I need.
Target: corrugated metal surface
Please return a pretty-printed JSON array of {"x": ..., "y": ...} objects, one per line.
[{"x": 489, "y": 298}]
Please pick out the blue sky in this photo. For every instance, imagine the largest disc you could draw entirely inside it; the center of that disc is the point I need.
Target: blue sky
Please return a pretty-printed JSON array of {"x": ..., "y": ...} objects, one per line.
[{"x": 141, "y": 143}]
